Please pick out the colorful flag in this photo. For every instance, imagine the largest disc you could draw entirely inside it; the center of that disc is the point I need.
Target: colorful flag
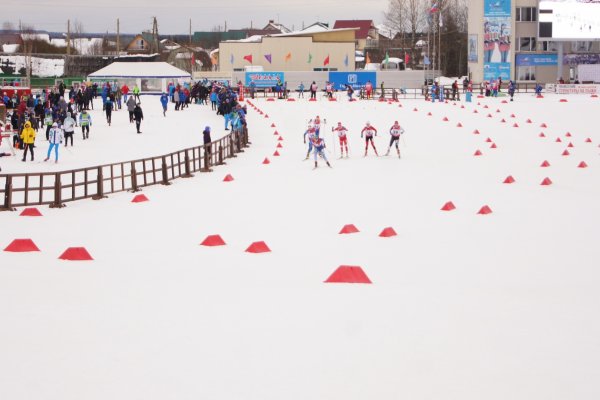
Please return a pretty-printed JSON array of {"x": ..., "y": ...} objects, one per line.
[
  {"x": 434, "y": 8},
  {"x": 231, "y": 59},
  {"x": 268, "y": 58},
  {"x": 426, "y": 60},
  {"x": 193, "y": 60},
  {"x": 387, "y": 58},
  {"x": 346, "y": 60},
  {"x": 406, "y": 58},
  {"x": 367, "y": 59},
  {"x": 309, "y": 58},
  {"x": 326, "y": 61},
  {"x": 248, "y": 58},
  {"x": 288, "y": 56}
]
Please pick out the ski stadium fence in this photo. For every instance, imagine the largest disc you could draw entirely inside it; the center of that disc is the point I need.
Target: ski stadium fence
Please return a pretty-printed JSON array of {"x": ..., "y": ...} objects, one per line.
[{"x": 57, "y": 188}]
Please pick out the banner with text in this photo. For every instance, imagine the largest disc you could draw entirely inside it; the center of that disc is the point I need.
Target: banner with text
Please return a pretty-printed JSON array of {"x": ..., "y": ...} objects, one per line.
[
  {"x": 265, "y": 79},
  {"x": 497, "y": 27},
  {"x": 355, "y": 79}
]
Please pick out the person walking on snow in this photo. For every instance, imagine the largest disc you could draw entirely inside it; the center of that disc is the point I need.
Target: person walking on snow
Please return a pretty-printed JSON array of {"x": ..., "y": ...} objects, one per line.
[
  {"x": 395, "y": 132},
  {"x": 56, "y": 137},
  {"x": 319, "y": 150},
  {"x": 130, "y": 106},
  {"x": 28, "y": 137},
  {"x": 69, "y": 128},
  {"x": 164, "y": 100},
  {"x": 136, "y": 93},
  {"x": 368, "y": 131},
  {"x": 85, "y": 121},
  {"x": 139, "y": 116},
  {"x": 341, "y": 132},
  {"x": 108, "y": 108},
  {"x": 310, "y": 131},
  {"x": 206, "y": 139}
]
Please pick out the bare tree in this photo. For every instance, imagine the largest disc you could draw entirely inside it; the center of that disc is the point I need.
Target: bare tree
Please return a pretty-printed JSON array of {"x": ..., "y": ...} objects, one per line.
[
  {"x": 8, "y": 26},
  {"x": 407, "y": 17},
  {"x": 77, "y": 36}
]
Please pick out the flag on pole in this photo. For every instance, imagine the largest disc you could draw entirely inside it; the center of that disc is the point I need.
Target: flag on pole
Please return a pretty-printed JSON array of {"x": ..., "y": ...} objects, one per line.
[
  {"x": 288, "y": 56},
  {"x": 346, "y": 60},
  {"x": 367, "y": 59},
  {"x": 231, "y": 59},
  {"x": 406, "y": 58},
  {"x": 434, "y": 8},
  {"x": 309, "y": 58},
  {"x": 248, "y": 58},
  {"x": 193, "y": 60},
  {"x": 268, "y": 58},
  {"x": 326, "y": 61},
  {"x": 441, "y": 24},
  {"x": 387, "y": 58},
  {"x": 426, "y": 60}
]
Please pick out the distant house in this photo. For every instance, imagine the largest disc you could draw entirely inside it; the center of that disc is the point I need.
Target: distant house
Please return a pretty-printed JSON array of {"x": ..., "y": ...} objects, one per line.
[
  {"x": 10, "y": 38},
  {"x": 140, "y": 44},
  {"x": 366, "y": 30},
  {"x": 273, "y": 27}
]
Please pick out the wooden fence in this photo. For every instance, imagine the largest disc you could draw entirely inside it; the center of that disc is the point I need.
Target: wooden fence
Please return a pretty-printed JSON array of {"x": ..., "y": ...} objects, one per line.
[{"x": 57, "y": 188}]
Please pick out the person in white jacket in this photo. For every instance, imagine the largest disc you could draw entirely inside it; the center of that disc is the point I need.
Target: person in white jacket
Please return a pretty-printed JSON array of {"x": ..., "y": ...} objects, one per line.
[
  {"x": 69, "y": 128},
  {"x": 55, "y": 137}
]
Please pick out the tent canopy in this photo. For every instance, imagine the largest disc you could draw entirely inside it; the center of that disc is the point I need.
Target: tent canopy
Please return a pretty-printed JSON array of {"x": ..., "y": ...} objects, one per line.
[{"x": 140, "y": 70}]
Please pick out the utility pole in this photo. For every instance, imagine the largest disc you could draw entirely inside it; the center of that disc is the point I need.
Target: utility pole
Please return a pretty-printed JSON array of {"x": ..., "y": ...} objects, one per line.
[
  {"x": 68, "y": 37},
  {"x": 118, "y": 38},
  {"x": 190, "y": 31}
]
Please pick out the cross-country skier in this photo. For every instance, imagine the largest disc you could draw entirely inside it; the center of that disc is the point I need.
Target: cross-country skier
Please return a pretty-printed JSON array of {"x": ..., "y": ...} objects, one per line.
[
  {"x": 395, "y": 132},
  {"x": 69, "y": 128},
  {"x": 317, "y": 125},
  {"x": 341, "y": 132},
  {"x": 319, "y": 150},
  {"x": 311, "y": 132},
  {"x": 368, "y": 131}
]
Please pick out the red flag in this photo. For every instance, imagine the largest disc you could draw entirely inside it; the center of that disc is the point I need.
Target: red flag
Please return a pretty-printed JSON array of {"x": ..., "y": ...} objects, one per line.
[
  {"x": 406, "y": 59},
  {"x": 193, "y": 60},
  {"x": 326, "y": 62},
  {"x": 248, "y": 58}
]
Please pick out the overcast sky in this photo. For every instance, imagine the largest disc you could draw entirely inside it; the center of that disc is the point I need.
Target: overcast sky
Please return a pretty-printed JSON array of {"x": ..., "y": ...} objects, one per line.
[{"x": 174, "y": 15}]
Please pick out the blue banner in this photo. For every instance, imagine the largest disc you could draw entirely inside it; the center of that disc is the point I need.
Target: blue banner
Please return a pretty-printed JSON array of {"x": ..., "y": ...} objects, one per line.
[
  {"x": 493, "y": 71},
  {"x": 532, "y": 60},
  {"x": 356, "y": 79},
  {"x": 265, "y": 79},
  {"x": 496, "y": 8}
]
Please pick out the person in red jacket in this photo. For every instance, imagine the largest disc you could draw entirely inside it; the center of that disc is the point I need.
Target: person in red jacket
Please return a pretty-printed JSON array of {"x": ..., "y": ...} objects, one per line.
[
  {"x": 125, "y": 92},
  {"x": 368, "y": 131}
]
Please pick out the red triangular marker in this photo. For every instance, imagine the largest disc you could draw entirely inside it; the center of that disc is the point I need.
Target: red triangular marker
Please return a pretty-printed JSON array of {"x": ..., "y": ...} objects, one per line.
[
  {"x": 258, "y": 247},
  {"x": 449, "y": 206},
  {"x": 477, "y": 153},
  {"x": 515, "y": 125},
  {"x": 542, "y": 134},
  {"x": 279, "y": 146},
  {"x": 76, "y": 254},
  {"x": 445, "y": 119},
  {"x": 276, "y": 154},
  {"x": 476, "y": 132},
  {"x": 582, "y": 165},
  {"x": 140, "y": 198},
  {"x": 484, "y": 210},
  {"x": 21, "y": 246},
  {"x": 563, "y": 100},
  {"x": 475, "y": 112},
  {"x": 228, "y": 178},
  {"x": 388, "y": 232},
  {"x": 429, "y": 114},
  {"x": 558, "y": 140},
  {"x": 488, "y": 140},
  {"x": 570, "y": 145},
  {"x": 528, "y": 121},
  {"x": 273, "y": 125},
  {"x": 565, "y": 153},
  {"x": 266, "y": 161},
  {"x": 509, "y": 179},
  {"x": 546, "y": 182},
  {"x": 588, "y": 140},
  {"x": 31, "y": 212},
  {"x": 350, "y": 228},
  {"x": 543, "y": 125},
  {"x": 213, "y": 240},
  {"x": 545, "y": 164},
  {"x": 275, "y": 133},
  {"x": 348, "y": 274},
  {"x": 280, "y": 138},
  {"x": 459, "y": 125},
  {"x": 493, "y": 146}
]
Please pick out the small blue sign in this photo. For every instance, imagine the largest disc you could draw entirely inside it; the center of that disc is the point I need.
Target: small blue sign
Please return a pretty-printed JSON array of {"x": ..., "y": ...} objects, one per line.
[
  {"x": 493, "y": 71},
  {"x": 496, "y": 8},
  {"x": 356, "y": 79},
  {"x": 539, "y": 60},
  {"x": 264, "y": 79}
]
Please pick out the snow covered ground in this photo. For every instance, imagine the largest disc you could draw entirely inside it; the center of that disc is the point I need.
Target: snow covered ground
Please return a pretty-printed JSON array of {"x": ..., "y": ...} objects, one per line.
[{"x": 462, "y": 306}]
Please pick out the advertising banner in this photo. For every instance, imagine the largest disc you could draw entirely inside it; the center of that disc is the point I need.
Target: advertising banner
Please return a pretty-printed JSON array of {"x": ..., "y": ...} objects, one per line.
[
  {"x": 356, "y": 79},
  {"x": 497, "y": 28},
  {"x": 264, "y": 79},
  {"x": 535, "y": 60},
  {"x": 472, "y": 50},
  {"x": 577, "y": 89}
]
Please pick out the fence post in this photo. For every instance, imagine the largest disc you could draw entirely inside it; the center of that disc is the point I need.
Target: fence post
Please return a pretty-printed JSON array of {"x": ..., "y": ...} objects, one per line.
[
  {"x": 100, "y": 191},
  {"x": 134, "y": 185},
  {"x": 165, "y": 172},
  {"x": 221, "y": 162},
  {"x": 8, "y": 195},
  {"x": 186, "y": 160},
  {"x": 231, "y": 145},
  {"x": 206, "y": 159},
  {"x": 57, "y": 192}
]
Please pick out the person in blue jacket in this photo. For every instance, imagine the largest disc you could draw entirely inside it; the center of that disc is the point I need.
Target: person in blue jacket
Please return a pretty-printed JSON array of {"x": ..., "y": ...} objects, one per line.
[{"x": 164, "y": 100}]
